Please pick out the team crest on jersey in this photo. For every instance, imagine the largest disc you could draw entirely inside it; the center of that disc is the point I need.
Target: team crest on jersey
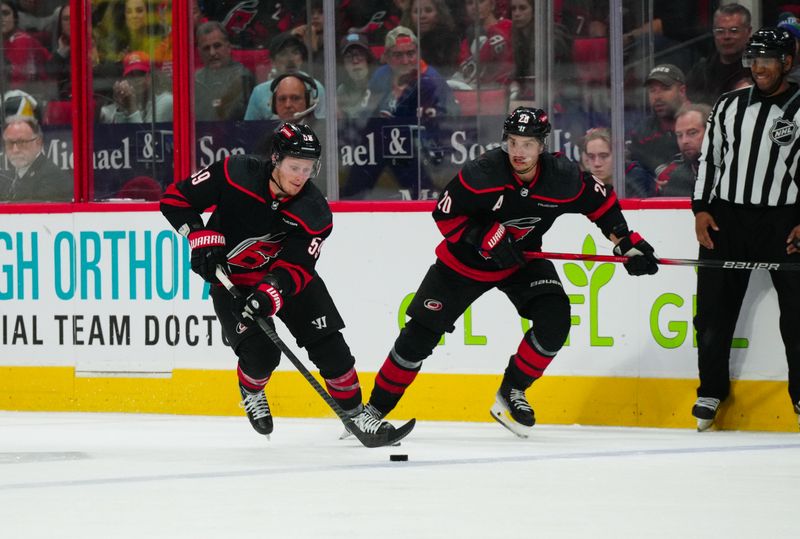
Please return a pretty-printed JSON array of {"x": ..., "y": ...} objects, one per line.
[
  {"x": 783, "y": 132},
  {"x": 240, "y": 328},
  {"x": 253, "y": 253},
  {"x": 519, "y": 228}
]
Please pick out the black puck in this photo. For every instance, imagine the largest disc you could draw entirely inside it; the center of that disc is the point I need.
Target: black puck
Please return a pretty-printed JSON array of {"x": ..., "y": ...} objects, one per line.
[{"x": 398, "y": 458}]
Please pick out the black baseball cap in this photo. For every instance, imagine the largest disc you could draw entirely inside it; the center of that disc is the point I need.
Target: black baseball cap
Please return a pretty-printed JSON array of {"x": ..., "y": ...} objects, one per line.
[{"x": 666, "y": 74}]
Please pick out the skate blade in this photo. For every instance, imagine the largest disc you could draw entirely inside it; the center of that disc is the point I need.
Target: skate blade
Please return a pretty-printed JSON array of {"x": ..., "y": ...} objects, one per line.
[
  {"x": 500, "y": 415},
  {"x": 704, "y": 424}
]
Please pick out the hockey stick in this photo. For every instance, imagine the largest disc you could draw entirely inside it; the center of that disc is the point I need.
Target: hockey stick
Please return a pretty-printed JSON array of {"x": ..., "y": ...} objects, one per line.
[
  {"x": 720, "y": 264},
  {"x": 368, "y": 440}
]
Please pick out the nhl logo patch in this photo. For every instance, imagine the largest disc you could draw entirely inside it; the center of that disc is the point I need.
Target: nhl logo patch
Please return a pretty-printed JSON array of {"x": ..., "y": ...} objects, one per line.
[{"x": 783, "y": 132}]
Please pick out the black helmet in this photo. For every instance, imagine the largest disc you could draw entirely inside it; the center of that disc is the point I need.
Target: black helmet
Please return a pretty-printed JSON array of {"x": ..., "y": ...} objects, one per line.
[
  {"x": 527, "y": 122},
  {"x": 769, "y": 42},
  {"x": 295, "y": 140}
]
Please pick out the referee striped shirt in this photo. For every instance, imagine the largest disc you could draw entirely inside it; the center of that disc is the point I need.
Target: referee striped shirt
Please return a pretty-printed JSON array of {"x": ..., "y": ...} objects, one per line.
[{"x": 751, "y": 150}]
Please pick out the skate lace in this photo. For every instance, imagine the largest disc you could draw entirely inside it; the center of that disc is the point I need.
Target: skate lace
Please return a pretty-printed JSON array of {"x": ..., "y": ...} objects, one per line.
[
  {"x": 708, "y": 402},
  {"x": 516, "y": 398},
  {"x": 255, "y": 404},
  {"x": 366, "y": 421}
]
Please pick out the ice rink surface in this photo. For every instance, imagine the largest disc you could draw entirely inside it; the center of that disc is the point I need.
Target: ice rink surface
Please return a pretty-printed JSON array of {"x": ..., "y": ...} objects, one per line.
[{"x": 72, "y": 475}]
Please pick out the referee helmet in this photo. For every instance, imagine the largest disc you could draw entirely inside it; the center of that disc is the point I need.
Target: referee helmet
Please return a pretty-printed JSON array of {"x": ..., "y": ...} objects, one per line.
[{"x": 769, "y": 42}]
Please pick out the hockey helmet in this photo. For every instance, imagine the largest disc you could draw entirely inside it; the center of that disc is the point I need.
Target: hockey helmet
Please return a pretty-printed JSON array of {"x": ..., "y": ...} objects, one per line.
[
  {"x": 296, "y": 140},
  {"x": 768, "y": 42},
  {"x": 527, "y": 122}
]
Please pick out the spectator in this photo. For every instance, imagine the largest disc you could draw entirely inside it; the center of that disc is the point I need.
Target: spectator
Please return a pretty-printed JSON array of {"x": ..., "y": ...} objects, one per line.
[
  {"x": 222, "y": 86},
  {"x": 370, "y": 18},
  {"x": 311, "y": 34},
  {"x": 58, "y": 66},
  {"x": 488, "y": 56},
  {"x": 133, "y": 95},
  {"x": 398, "y": 91},
  {"x": 126, "y": 26},
  {"x": 36, "y": 178},
  {"x": 352, "y": 95},
  {"x": 437, "y": 32},
  {"x": 293, "y": 97},
  {"x": 717, "y": 74},
  {"x": 652, "y": 143},
  {"x": 597, "y": 158},
  {"x": 789, "y": 22},
  {"x": 250, "y": 24},
  {"x": 678, "y": 178},
  {"x": 288, "y": 53},
  {"x": 26, "y": 55},
  {"x": 523, "y": 41}
]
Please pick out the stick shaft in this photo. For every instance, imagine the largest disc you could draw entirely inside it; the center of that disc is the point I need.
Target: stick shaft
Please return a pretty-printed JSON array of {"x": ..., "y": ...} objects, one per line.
[{"x": 720, "y": 264}]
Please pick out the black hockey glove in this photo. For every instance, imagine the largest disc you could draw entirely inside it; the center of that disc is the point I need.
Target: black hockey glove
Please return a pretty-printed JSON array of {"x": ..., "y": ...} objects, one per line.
[
  {"x": 642, "y": 258},
  {"x": 208, "y": 251},
  {"x": 265, "y": 301},
  {"x": 499, "y": 247}
]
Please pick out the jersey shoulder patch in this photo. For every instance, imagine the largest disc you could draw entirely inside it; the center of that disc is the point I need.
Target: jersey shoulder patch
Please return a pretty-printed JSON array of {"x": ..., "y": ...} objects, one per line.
[
  {"x": 560, "y": 179},
  {"x": 310, "y": 210}
]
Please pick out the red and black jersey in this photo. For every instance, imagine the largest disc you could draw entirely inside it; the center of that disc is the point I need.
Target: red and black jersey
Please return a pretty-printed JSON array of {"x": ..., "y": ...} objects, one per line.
[
  {"x": 262, "y": 234},
  {"x": 487, "y": 191}
]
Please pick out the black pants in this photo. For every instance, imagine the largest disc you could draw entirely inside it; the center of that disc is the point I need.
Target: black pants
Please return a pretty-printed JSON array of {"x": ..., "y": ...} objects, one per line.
[{"x": 754, "y": 235}]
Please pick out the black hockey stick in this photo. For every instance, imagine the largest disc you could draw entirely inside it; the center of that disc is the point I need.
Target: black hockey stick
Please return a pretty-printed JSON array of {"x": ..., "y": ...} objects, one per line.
[
  {"x": 366, "y": 439},
  {"x": 721, "y": 264}
]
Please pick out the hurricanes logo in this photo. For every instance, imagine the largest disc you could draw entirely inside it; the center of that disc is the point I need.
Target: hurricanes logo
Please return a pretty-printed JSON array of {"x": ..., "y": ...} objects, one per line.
[
  {"x": 519, "y": 228},
  {"x": 240, "y": 328},
  {"x": 253, "y": 253},
  {"x": 783, "y": 132},
  {"x": 433, "y": 304}
]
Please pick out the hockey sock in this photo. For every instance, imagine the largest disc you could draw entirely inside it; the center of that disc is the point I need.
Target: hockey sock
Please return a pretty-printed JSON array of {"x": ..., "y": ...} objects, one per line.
[
  {"x": 527, "y": 365},
  {"x": 346, "y": 389},
  {"x": 253, "y": 385},
  {"x": 392, "y": 380}
]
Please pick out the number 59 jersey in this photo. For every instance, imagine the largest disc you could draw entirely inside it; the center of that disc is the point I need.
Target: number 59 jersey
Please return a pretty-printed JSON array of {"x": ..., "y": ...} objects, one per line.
[
  {"x": 262, "y": 233},
  {"x": 487, "y": 190}
]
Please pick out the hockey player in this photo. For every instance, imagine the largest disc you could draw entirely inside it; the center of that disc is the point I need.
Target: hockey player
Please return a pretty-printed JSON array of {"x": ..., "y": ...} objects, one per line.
[
  {"x": 498, "y": 207},
  {"x": 267, "y": 230}
]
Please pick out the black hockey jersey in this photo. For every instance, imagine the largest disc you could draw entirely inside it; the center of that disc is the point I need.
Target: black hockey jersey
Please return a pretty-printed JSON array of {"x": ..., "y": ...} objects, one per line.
[
  {"x": 487, "y": 190},
  {"x": 262, "y": 234}
]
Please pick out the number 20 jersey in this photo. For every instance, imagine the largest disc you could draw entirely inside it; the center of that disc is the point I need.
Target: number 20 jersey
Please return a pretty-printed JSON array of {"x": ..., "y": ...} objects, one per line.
[{"x": 487, "y": 190}]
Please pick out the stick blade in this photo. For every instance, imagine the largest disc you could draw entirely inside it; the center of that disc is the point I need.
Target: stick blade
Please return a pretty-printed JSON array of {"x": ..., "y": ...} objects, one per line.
[{"x": 383, "y": 439}]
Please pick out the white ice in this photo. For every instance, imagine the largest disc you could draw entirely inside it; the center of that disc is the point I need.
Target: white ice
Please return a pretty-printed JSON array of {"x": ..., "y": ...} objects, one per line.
[{"x": 71, "y": 475}]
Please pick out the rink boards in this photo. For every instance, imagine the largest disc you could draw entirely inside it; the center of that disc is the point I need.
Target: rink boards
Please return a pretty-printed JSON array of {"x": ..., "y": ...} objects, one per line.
[{"x": 101, "y": 312}]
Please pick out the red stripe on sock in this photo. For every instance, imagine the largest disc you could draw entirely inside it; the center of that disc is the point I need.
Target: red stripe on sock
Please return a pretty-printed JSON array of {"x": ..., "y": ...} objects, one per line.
[
  {"x": 346, "y": 386},
  {"x": 249, "y": 382},
  {"x": 530, "y": 361},
  {"x": 396, "y": 374}
]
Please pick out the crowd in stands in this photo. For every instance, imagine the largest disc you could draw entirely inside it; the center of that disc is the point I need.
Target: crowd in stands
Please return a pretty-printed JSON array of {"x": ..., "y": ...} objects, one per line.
[{"x": 416, "y": 59}]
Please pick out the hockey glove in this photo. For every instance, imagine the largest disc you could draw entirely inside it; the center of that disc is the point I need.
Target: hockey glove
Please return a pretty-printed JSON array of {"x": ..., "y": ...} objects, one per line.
[
  {"x": 499, "y": 247},
  {"x": 265, "y": 301},
  {"x": 208, "y": 251},
  {"x": 642, "y": 260}
]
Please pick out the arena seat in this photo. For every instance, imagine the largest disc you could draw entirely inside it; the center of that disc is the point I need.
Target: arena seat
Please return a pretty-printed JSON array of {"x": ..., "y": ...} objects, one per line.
[
  {"x": 590, "y": 56},
  {"x": 489, "y": 102},
  {"x": 256, "y": 60},
  {"x": 58, "y": 113},
  {"x": 140, "y": 188}
]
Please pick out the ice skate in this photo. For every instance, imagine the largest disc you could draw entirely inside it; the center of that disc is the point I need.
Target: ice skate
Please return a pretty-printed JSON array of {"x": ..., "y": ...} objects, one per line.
[
  {"x": 797, "y": 411},
  {"x": 257, "y": 408},
  {"x": 512, "y": 410},
  {"x": 705, "y": 410},
  {"x": 369, "y": 420}
]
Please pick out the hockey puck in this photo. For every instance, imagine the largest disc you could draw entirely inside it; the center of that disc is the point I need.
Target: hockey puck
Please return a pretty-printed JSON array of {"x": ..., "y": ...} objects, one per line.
[{"x": 398, "y": 458}]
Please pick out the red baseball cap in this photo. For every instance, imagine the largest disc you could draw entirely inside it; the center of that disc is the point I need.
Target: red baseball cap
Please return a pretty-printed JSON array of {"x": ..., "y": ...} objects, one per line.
[{"x": 135, "y": 61}]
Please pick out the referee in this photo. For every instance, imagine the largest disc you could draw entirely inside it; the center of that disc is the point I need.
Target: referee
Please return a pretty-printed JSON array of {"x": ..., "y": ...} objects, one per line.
[{"x": 746, "y": 208}]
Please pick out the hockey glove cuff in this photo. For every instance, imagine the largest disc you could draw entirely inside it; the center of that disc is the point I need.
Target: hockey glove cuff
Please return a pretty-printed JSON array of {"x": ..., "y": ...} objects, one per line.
[
  {"x": 208, "y": 251},
  {"x": 641, "y": 255},
  {"x": 497, "y": 245},
  {"x": 265, "y": 301}
]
